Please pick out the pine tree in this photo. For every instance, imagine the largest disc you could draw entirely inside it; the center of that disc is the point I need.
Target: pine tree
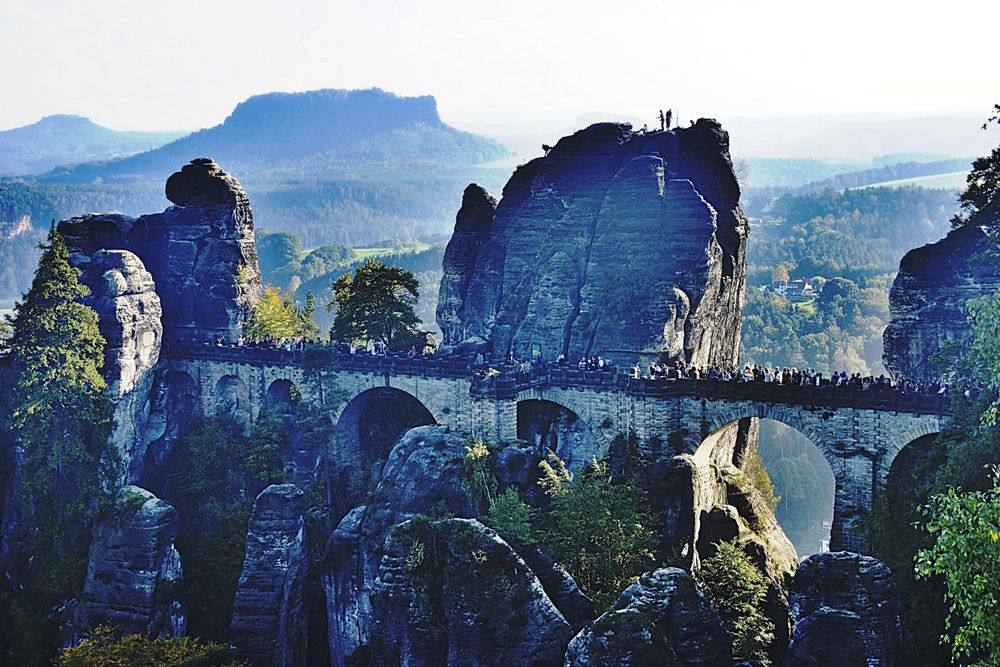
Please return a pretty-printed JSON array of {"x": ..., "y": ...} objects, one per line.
[
  {"x": 737, "y": 590},
  {"x": 60, "y": 416},
  {"x": 377, "y": 302}
]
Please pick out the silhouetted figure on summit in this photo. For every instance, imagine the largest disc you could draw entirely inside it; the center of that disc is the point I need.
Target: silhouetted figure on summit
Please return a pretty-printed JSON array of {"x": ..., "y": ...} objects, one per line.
[
  {"x": 663, "y": 124},
  {"x": 546, "y": 148},
  {"x": 669, "y": 117}
]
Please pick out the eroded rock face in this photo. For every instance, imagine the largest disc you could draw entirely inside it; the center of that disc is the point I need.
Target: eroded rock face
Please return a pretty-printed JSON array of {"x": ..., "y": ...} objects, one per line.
[
  {"x": 453, "y": 592},
  {"x": 615, "y": 243},
  {"x": 928, "y": 296},
  {"x": 201, "y": 253},
  {"x": 846, "y": 612},
  {"x": 472, "y": 229},
  {"x": 134, "y": 575},
  {"x": 423, "y": 475},
  {"x": 269, "y": 625},
  {"x": 661, "y": 620},
  {"x": 124, "y": 295},
  {"x": 707, "y": 498}
]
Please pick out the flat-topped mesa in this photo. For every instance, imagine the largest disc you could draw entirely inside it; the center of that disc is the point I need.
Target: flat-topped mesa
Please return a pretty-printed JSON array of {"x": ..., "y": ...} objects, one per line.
[
  {"x": 928, "y": 299},
  {"x": 201, "y": 252},
  {"x": 616, "y": 243}
]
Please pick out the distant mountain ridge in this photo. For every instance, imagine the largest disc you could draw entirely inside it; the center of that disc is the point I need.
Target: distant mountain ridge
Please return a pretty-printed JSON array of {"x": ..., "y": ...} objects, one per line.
[
  {"x": 67, "y": 139},
  {"x": 310, "y": 134}
]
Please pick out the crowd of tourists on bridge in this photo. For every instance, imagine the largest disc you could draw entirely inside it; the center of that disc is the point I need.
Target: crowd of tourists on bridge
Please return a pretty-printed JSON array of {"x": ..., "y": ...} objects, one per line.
[
  {"x": 526, "y": 368},
  {"x": 807, "y": 377}
]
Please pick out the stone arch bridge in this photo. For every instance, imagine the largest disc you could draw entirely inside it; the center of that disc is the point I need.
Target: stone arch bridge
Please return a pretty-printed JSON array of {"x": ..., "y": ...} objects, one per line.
[{"x": 859, "y": 432}]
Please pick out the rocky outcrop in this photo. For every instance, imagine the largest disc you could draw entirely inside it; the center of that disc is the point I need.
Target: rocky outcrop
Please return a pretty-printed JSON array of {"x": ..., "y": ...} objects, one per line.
[
  {"x": 846, "y": 612},
  {"x": 269, "y": 615},
  {"x": 134, "y": 575},
  {"x": 472, "y": 231},
  {"x": 614, "y": 243},
  {"x": 453, "y": 592},
  {"x": 928, "y": 298},
  {"x": 201, "y": 252},
  {"x": 710, "y": 497},
  {"x": 423, "y": 475},
  {"x": 124, "y": 295},
  {"x": 663, "y": 619}
]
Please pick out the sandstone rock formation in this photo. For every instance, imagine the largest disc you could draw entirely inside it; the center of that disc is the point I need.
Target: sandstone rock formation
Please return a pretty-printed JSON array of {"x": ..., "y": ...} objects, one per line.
[
  {"x": 453, "y": 592},
  {"x": 422, "y": 475},
  {"x": 615, "y": 243},
  {"x": 846, "y": 613},
  {"x": 124, "y": 296},
  {"x": 134, "y": 575},
  {"x": 927, "y": 299},
  {"x": 201, "y": 253},
  {"x": 709, "y": 497},
  {"x": 661, "y": 620},
  {"x": 269, "y": 618}
]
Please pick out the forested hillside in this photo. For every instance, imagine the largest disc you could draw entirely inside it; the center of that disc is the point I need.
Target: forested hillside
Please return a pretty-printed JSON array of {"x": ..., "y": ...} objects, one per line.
[
  {"x": 848, "y": 243},
  {"x": 333, "y": 166}
]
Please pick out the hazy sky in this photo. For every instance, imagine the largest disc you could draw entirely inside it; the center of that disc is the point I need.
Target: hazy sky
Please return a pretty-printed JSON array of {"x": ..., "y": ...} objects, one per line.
[{"x": 184, "y": 64}]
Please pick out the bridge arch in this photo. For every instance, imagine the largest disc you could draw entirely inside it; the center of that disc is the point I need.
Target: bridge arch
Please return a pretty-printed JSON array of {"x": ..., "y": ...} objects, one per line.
[
  {"x": 922, "y": 432},
  {"x": 550, "y": 425},
  {"x": 721, "y": 418},
  {"x": 803, "y": 472},
  {"x": 281, "y": 394},
  {"x": 365, "y": 432}
]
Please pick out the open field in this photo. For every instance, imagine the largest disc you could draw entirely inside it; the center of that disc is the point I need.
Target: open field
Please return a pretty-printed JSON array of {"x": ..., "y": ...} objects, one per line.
[{"x": 954, "y": 180}]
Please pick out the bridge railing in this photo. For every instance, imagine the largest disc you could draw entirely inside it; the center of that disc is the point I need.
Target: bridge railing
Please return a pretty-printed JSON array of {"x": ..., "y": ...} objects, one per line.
[{"x": 510, "y": 381}]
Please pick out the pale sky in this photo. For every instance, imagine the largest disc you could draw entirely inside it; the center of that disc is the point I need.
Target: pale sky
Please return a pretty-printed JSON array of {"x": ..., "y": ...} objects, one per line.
[{"x": 184, "y": 64}]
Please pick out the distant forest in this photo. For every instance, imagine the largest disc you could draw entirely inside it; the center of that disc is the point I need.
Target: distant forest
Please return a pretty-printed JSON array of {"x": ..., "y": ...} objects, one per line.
[{"x": 848, "y": 243}]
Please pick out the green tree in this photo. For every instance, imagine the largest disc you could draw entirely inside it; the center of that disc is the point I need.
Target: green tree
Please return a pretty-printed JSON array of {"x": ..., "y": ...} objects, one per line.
[
  {"x": 780, "y": 272},
  {"x": 277, "y": 315},
  {"x": 512, "y": 517},
  {"x": 737, "y": 590},
  {"x": 58, "y": 411},
  {"x": 983, "y": 353},
  {"x": 966, "y": 554},
  {"x": 980, "y": 202},
  {"x": 600, "y": 532},
  {"x": 103, "y": 649},
  {"x": 376, "y": 302},
  {"x": 955, "y": 464}
]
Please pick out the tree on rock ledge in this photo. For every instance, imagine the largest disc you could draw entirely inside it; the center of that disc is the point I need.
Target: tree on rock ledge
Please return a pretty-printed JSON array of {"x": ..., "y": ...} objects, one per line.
[
  {"x": 376, "y": 302},
  {"x": 60, "y": 417}
]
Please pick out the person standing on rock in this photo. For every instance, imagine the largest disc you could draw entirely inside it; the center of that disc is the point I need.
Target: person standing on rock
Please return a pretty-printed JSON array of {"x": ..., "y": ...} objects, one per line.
[
  {"x": 663, "y": 121},
  {"x": 669, "y": 117}
]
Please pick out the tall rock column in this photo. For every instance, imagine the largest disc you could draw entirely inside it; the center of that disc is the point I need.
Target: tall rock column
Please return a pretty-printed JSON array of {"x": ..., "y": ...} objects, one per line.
[
  {"x": 201, "y": 252},
  {"x": 134, "y": 574},
  {"x": 269, "y": 624},
  {"x": 124, "y": 296},
  {"x": 615, "y": 243}
]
